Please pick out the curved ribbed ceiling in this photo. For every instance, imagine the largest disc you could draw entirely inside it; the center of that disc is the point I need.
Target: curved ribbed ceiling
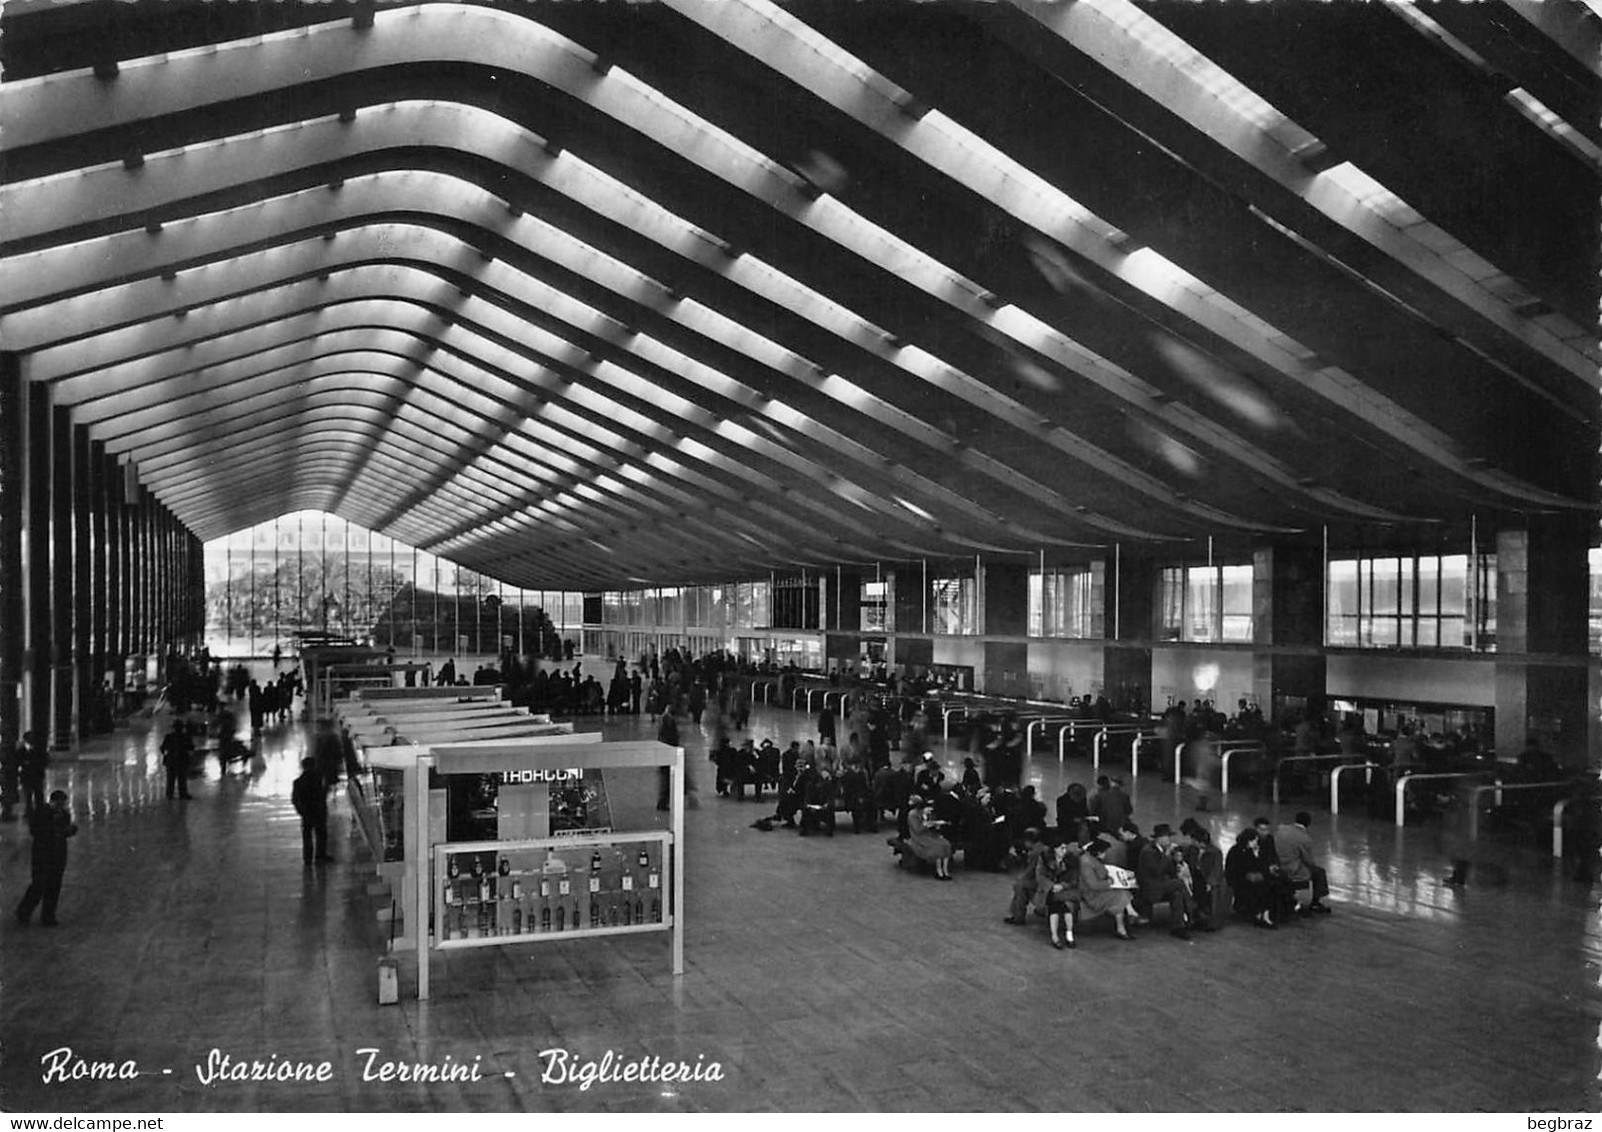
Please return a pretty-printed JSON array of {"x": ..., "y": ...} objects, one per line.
[{"x": 578, "y": 294}]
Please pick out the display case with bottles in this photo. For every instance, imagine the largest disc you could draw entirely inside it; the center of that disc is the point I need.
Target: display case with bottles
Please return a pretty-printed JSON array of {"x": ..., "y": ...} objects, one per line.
[{"x": 491, "y": 893}]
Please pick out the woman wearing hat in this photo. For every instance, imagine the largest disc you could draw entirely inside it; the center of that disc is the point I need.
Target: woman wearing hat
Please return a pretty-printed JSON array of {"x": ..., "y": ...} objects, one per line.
[
  {"x": 1097, "y": 896},
  {"x": 924, "y": 838}
]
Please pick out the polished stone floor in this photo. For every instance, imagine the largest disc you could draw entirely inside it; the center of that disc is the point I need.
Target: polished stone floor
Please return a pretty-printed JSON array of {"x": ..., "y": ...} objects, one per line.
[{"x": 818, "y": 976}]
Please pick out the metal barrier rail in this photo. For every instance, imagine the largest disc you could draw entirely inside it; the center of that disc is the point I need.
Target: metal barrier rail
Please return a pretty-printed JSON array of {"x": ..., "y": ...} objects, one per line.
[
  {"x": 1499, "y": 788},
  {"x": 1335, "y": 781},
  {"x": 1228, "y": 749},
  {"x": 1283, "y": 763},
  {"x": 1098, "y": 744},
  {"x": 1042, "y": 723},
  {"x": 1557, "y": 827},
  {"x": 1134, "y": 748},
  {"x": 1070, "y": 733},
  {"x": 947, "y": 712},
  {"x": 1401, "y": 786}
]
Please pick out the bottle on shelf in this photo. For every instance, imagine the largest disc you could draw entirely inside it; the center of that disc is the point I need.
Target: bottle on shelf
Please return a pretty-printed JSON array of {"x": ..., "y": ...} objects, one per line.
[
  {"x": 505, "y": 867},
  {"x": 596, "y": 919},
  {"x": 654, "y": 882},
  {"x": 453, "y": 868},
  {"x": 545, "y": 905},
  {"x": 517, "y": 889},
  {"x": 561, "y": 917},
  {"x": 628, "y": 881},
  {"x": 517, "y": 919}
]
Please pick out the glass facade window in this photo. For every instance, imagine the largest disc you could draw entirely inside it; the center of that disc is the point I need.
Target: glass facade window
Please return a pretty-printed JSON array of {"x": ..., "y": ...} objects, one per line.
[
  {"x": 1060, "y": 603},
  {"x": 875, "y": 606},
  {"x": 1422, "y": 601},
  {"x": 311, "y": 575},
  {"x": 1205, "y": 603},
  {"x": 953, "y": 606}
]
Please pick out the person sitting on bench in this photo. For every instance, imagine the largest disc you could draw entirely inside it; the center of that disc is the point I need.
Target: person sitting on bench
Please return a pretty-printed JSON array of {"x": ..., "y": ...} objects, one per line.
[
  {"x": 1295, "y": 847},
  {"x": 1058, "y": 881},
  {"x": 925, "y": 839},
  {"x": 1261, "y": 891},
  {"x": 1026, "y": 885},
  {"x": 1097, "y": 896},
  {"x": 1160, "y": 882}
]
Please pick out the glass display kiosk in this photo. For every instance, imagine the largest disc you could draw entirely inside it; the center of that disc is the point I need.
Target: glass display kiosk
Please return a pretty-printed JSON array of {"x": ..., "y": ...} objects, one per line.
[{"x": 534, "y": 883}]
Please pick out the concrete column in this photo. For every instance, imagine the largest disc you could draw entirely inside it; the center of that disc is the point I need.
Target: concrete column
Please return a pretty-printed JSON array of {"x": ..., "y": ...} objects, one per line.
[
  {"x": 1005, "y": 592},
  {"x": 99, "y": 571},
  {"x": 116, "y": 574},
  {"x": 13, "y": 442},
  {"x": 1542, "y": 607},
  {"x": 83, "y": 562},
  {"x": 908, "y": 598},
  {"x": 1131, "y": 593},
  {"x": 144, "y": 565},
  {"x": 63, "y": 577},
  {"x": 37, "y": 568},
  {"x": 165, "y": 561},
  {"x": 1288, "y": 664}
]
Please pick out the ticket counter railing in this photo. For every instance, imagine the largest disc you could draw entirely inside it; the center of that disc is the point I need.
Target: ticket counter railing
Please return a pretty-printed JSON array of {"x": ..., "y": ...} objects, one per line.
[
  {"x": 1071, "y": 731},
  {"x": 1335, "y": 781},
  {"x": 1042, "y": 722},
  {"x": 1137, "y": 735},
  {"x": 1499, "y": 788},
  {"x": 1228, "y": 749},
  {"x": 1311, "y": 760},
  {"x": 1403, "y": 782}
]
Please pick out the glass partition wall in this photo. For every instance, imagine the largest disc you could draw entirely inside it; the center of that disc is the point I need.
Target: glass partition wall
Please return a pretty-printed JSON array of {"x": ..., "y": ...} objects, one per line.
[{"x": 312, "y": 575}]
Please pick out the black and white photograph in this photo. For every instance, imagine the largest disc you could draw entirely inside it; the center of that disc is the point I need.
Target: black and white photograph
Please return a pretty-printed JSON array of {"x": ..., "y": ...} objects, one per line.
[{"x": 800, "y": 556}]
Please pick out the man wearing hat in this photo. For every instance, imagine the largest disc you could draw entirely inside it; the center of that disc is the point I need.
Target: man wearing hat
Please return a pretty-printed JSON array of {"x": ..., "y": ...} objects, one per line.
[
  {"x": 927, "y": 780},
  {"x": 1160, "y": 882},
  {"x": 51, "y": 826}
]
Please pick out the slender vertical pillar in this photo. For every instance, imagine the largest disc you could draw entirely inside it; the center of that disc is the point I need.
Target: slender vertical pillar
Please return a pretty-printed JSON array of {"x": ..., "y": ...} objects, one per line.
[
  {"x": 38, "y": 564},
  {"x": 145, "y": 562},
  {"x": 163, "y": 618},
  {"x": 13, "y": 432},
  {"x": 100, "y": 569},
  {"x": 83, "y": 567},
  {"x": 132, "y": 565},
  {"x": 63, "y": 576},
  {"x": 116, "y": 575}
]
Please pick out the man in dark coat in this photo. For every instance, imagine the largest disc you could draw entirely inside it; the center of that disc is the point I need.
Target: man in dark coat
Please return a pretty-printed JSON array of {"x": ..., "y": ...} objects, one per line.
[
  {"x": 176, "y": 750},
  {"x": 51, "y": 826},
  {"x": 310, "y": 796},
  {"x": 1160, "y": 882},
  {"x": 32, "y": 760}
]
